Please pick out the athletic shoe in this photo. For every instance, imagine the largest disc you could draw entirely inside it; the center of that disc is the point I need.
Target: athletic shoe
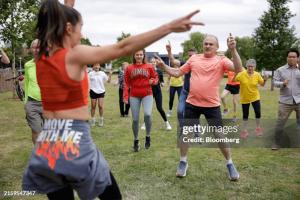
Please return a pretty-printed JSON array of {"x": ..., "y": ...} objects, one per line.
[
  {"x": 122, "y": 116},
  {"x": 168, "y": 126},
  {"x": 225, "y": 112},
  {"x": 275, "y": 146},
  {"x": 244, "y": 134},
  {"x": 234, "y": 119},
  {"x": 136, "y": 145},
  {"x": 147, "y": 142},
  {"x": 233, "y": 173},
  {"x": 101, "y": 122},
  {"x": 169, "y": 113},
  {"x": 258, "y": 131},
  {"x": 143, "y": 126},
  {"x": 181, "y": 171},
  {"x": 92, "y": 122},
  {"x": 126, "y": 115}
]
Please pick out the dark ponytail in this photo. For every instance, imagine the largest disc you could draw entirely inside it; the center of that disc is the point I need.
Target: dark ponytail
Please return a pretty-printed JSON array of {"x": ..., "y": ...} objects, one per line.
[{"x": 52, "y": 22}]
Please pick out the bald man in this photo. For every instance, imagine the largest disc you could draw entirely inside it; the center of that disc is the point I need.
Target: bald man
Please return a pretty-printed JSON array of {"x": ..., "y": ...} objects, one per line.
[{"x": 33, "y": 104}]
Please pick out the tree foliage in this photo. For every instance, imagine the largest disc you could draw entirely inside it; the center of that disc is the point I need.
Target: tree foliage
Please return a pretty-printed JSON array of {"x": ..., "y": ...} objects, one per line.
[
  {"x": 196, "y": 40},
  {"x": 86, "y": 41},
  {"x": 274, "y": 36},
  {"x": 245, "y": 48},
  {"x": 118, "y": 62}
]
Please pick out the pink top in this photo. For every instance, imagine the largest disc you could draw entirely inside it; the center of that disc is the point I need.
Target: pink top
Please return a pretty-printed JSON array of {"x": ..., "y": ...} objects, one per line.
[{"x": 206, "y": 76}]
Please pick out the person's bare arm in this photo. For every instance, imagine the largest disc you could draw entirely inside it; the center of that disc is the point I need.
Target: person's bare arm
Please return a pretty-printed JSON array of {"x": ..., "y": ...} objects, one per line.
[
  {"x": 236, "y": 66},
  {"x": 266, "y": 77},
  {"x": 176, "y": 72},
  {"x": 173, "y": 61},
  {"x": 4, "y": 58},
  {"x": 82, "y": 55},
  {"x": 110, "y": 73}
]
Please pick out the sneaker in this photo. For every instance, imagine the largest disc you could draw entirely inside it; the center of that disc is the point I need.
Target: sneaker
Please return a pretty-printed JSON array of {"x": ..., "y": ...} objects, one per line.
[
  {"x": 122, "y": 116},
  {"x": 93, "y": 122},
  {"x": 101, "y": 122},
  {"x": 143, "y": 126},
  {"x": 136, "y": 145},
  {"x": 168, "y": 126},
  {"x": 234, "y": 119},
  {"x": 225, "y": 112},
  {"x": 181, "y": 171},
  {"x": 126, "y": 115},
  {"x": 244, "y": 134},
  {"x": 147, "y": 142},
  {"x": 169, "y": 113},
  {"x": 258, "y": 131},
  {"x": 275, "y": 146},
  {"x": 233, "y": 173}
]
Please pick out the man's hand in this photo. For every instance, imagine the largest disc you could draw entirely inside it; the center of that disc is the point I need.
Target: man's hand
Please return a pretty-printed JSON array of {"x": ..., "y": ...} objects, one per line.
[
  {"x": 160, "y": 62},
  {"x": 111, "y": 70},
  {"x": 285, "y": 82},
  {"x": 231, "y": 43},
  {"x": 168, "y": 46}
]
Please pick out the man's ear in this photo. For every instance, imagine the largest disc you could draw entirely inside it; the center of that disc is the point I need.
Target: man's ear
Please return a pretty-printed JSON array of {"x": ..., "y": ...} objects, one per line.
[{"x": 69, "y": 28}]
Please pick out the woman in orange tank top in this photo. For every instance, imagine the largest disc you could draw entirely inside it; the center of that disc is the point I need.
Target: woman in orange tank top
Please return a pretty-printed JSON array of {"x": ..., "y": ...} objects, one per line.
[{"x": 64, "y": 157}]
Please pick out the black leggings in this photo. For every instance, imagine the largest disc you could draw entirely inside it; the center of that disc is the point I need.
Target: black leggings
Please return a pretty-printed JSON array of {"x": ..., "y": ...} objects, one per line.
[
  {"x": 121, "y": 103},
  {"x": 158, "y": 100},
  {"x": 256, "y": 107},
  {"x": 111, "y": 192}
]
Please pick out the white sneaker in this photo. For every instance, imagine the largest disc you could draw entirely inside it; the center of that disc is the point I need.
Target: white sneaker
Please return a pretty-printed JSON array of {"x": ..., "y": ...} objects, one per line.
[
  {"x": 101, "y": 121},
  {"x": 169, "y": 113},
  {"x": 143, "y": 126},
  {"x": 93, "y": 122},
  {"x": 168, "y": 126}
]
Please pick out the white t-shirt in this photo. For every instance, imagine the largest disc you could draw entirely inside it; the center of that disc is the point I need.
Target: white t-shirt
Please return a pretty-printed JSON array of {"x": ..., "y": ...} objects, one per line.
[{"x": 97, "y": 80}]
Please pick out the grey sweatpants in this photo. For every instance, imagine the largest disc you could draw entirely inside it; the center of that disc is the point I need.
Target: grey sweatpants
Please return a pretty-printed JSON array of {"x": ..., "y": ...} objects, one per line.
[{"x": 135, "y": 103}]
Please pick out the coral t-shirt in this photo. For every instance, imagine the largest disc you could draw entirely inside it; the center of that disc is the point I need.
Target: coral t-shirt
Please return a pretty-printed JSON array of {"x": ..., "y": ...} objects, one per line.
[{"x": 206, "y": 76}]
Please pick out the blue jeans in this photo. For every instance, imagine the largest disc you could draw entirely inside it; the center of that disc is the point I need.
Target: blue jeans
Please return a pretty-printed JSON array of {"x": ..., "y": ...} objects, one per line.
[{"x": 181, "y": 105}]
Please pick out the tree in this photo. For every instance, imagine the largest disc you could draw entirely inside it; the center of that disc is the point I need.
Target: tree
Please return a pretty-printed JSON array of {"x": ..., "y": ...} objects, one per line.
[
  {"x": 118, "y": 62},
  {"x": 86, "y": 41},
  {"x": 196, "y": 40},
  {"x": 274, "y": 37},
  {"x": 245, "y": 47},
  {"x": 15, "y": 18}
]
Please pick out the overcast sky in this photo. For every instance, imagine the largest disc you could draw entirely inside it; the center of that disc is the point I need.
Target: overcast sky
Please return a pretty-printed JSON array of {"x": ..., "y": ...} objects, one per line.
[{"x": 104, "y": 20}]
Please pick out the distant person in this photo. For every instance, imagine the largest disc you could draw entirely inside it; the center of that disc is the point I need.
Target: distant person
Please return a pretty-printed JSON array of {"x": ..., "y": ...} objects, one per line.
[
  {"x": 234, "y": 89},
  {"x": 157, "y": 95},
  {"x": 64, "y": 84},
  {"x": 174, "y": 84},
  {"x": 250, "y": 95},
  {"x": 287, "y": 79},
  {"x": 33, "y": 104},
  {"x": 97, "y": 91},
  {"x": 70, "y": 3},
  {"x": 207, "y": 71},
  {"x": 186, "y": 85},
  {"x": 4, "y": 57},
  {"x": 140, "y": 76},
  {"x": 120, "y": 82}
]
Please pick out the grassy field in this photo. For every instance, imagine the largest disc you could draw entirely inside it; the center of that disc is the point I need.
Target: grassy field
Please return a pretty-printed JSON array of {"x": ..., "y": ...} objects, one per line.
[{"x": 150, "y": 174}]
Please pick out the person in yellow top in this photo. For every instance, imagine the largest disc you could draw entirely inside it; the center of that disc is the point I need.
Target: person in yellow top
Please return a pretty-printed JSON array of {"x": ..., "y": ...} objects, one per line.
[
  {"x": 33, "y": 104},
  {"x": 249, "y": 94},
  {"x": 175, "y": 85}
]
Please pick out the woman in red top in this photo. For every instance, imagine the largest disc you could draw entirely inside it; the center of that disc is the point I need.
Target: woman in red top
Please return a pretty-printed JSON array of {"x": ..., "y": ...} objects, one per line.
[
  {"x": 64, "y": 157},
  {"x": 140, "y": 76}
]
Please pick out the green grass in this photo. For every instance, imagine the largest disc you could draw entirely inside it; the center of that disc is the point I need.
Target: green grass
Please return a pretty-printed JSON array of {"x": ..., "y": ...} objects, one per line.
[{"x": 150, "y": 174}]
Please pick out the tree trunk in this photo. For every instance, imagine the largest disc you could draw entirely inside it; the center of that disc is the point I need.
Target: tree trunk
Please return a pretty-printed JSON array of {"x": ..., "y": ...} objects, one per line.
[{"x": 272, "y": 84}]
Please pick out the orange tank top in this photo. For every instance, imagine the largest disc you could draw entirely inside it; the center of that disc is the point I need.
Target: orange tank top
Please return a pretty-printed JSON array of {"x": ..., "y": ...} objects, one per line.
[{"x": 58, "y": 91}]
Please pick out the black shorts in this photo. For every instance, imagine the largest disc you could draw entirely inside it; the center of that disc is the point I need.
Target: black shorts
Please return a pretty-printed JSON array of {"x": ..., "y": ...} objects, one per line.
[
  {"x": 233, "y": 89},
  {"x": 192, "y": 114},
  {"x": 94, "y": 95}
]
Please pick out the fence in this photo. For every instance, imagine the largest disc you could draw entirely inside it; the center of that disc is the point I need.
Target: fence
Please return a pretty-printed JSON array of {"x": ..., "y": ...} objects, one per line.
[{"x": 6, "y": 86}]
